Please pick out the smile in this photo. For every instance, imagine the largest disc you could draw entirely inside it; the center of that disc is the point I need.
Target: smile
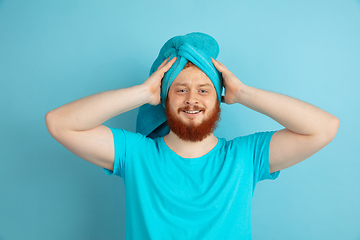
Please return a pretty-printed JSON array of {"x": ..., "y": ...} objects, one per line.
[{"x": 193, "y": 112}]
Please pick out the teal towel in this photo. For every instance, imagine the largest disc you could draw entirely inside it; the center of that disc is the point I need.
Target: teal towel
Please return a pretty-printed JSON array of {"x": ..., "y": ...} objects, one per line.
[{"x": 195, "y": 47}]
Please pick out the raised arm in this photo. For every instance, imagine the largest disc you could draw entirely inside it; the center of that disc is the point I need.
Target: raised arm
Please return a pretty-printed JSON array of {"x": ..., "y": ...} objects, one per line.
[
  {"x": 307, "y": 128},
  {"x": 77, "y": 125}
]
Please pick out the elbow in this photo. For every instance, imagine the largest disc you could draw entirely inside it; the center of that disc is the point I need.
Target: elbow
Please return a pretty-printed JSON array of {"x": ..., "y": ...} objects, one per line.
[
  {"x": 50, "y": 123},
  {"x": 47, "y": 117},
  {"x": 331, "y": 129},
  {"x": 335, "y": 125}
]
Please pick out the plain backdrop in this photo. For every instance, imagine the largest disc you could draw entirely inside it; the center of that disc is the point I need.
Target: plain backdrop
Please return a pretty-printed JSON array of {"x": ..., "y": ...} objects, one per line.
[{"x": 55, "y": 52}]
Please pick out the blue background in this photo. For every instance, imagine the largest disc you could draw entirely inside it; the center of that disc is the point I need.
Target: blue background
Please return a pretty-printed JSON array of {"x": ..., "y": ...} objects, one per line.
[{"x": 54, "y": 52}]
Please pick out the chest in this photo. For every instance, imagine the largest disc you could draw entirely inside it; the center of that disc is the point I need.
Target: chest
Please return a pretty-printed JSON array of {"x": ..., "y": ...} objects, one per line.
[{"x": 218, "y": 174}]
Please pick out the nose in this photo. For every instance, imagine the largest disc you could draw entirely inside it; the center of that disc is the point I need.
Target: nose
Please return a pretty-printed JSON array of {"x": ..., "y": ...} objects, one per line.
[{"x": 191, "y": 98}]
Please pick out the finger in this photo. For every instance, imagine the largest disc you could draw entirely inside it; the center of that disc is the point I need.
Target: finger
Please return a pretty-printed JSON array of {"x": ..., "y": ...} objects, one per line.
[
  {"x": 168, "y": 65},
  {"x": 163, "y": 63},
  {"x": 220, "y": 64},
  {"x": 217, "y": 65}
]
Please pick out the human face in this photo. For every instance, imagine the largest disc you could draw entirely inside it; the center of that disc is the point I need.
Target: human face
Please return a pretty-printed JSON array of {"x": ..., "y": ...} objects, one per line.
[
  {"x": 192, "y": 96},
  {"x": 190, "y": 129}
]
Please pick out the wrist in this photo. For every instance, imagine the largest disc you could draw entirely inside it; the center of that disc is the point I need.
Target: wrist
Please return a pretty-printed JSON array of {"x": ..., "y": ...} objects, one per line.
[
  {"x": 242, "y": 93},
  {"x": 139, "y": 93},
  {"x": 149, "y": 94}
]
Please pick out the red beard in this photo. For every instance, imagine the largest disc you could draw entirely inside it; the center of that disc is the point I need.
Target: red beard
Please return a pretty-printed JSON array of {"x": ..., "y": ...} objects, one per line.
[{"x": 190, "y": 132}]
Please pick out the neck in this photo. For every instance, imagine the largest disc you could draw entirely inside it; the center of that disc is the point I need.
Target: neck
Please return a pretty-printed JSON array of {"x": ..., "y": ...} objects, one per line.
[{"x": 187, "y": 149}]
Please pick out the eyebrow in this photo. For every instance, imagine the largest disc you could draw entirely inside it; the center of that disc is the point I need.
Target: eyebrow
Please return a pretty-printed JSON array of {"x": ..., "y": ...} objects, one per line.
[{"x": 200, "y": 85}]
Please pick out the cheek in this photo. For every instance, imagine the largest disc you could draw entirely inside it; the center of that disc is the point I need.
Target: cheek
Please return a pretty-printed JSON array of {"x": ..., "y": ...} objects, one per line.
[
  {"x": 210, "y": 103},
  {"x": 172, "y": 105},
  {"x": 211, "y": 106},
  {"x": 175, "y": 101}
]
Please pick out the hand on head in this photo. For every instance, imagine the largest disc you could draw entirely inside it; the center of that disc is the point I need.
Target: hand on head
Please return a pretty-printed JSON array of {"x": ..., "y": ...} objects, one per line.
[
  {"x": 153, "y": 83},
  {"x": 231, "y": 83}
]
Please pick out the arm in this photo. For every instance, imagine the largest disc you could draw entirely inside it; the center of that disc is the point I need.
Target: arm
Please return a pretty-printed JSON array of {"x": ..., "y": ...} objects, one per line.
[
  {"x": 307, "y": 128},
  {"x": 77, "y": 125}
]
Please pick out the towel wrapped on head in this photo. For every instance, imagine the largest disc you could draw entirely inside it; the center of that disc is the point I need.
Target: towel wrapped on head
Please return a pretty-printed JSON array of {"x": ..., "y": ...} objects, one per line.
[{"x": 197, "y": 48}]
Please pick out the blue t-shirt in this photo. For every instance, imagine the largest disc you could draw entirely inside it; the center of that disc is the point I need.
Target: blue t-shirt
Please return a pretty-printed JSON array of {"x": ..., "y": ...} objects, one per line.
[{"x": 170, "y": 197}]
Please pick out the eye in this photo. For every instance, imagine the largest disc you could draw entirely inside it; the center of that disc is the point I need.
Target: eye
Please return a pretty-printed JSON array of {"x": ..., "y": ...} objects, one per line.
[
  {"x": 181, "y": 90},
  {"x": 203, "y": 91}
]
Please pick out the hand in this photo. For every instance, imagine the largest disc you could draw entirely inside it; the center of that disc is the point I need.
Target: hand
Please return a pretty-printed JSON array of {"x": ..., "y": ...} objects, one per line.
[
  {"x": 153, "y": 83},
  {"x": 231, "y": 84}
]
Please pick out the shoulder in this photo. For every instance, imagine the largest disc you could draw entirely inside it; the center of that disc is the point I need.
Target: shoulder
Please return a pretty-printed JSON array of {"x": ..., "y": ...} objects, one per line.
[
  {"x": 250, "y": 141},
  {"x": 254, "y": 137},
  {"x": 122, "y": 136}
]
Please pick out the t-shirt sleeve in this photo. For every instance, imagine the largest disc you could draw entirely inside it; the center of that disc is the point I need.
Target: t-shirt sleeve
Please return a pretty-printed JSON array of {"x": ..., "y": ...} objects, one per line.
[
  {"x": 120, "y": 153},
  {"x": 260, "y": 146},
  {"x": 125, "y": 145}
]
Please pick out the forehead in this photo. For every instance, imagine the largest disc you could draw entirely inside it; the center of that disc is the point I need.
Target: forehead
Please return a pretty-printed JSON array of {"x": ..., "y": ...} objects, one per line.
[{"x": 192, "y": 76}]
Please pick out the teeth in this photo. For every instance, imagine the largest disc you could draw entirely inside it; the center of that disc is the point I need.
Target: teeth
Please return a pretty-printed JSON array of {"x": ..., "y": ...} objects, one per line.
[{"x": 192, "y": 112}]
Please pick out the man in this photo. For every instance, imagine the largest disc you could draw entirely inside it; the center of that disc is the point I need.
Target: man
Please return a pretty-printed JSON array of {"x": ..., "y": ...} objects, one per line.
[{"x": 181, "y": 181}]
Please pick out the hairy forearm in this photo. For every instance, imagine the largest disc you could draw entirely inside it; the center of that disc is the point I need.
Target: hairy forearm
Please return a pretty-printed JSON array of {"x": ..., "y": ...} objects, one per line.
[
  {"x": 295, "y": 115},
  {"x": 91, "y": 111}
]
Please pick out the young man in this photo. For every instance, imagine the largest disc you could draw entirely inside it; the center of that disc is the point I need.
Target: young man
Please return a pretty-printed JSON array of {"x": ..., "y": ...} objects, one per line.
[{"x": 182, "y": 182}]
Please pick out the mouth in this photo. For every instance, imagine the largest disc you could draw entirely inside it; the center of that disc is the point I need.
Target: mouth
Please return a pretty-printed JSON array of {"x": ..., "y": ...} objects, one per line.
[{"x": 192, "y": 112}]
